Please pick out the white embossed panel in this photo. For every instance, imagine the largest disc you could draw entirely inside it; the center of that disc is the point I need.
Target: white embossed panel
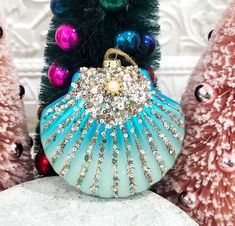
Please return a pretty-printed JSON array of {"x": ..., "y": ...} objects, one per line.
[{"x": 185, "y": 26}]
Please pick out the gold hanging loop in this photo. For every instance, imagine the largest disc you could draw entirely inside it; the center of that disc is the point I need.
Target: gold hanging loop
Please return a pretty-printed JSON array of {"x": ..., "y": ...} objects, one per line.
[{"x": 109, "y": 61}]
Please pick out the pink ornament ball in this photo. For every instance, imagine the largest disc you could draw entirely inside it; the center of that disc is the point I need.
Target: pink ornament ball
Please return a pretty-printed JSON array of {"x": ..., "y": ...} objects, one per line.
[
  {"x": 58, "y": 76},
  {"x": 66, "y": 37}
]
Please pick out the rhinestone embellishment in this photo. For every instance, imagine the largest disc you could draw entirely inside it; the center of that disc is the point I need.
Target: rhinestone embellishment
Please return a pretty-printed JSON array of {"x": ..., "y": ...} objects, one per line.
[{"x": 114, "y": 95}]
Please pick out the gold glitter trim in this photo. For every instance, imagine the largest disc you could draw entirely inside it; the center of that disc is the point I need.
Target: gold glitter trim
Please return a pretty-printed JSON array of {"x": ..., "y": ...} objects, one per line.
[
  {"x": 162, "y": 136},
  {"x": 154, "y": 150},
  {"x": 169, "y": 127},
  {"x": 130, "y": 162},
  {"x": 94, "y": 187},
  {"x": 167, "y": 103},
  {"x": 143, "y": 157},
  {"x": 87, "y": 158},
  {"x": 61, "y": 127},
  {"x": 174, "y": 118},
  {"x": 75, "y": 148},
  {"x": 115, "y": 165}
]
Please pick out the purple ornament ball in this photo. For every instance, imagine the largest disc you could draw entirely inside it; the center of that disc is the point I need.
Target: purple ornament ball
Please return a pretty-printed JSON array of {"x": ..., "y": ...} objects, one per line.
[
  {"x": 66, "y": 37},
  {"x": 147, "y": 44},
  {"x": 58, "y": 76}
]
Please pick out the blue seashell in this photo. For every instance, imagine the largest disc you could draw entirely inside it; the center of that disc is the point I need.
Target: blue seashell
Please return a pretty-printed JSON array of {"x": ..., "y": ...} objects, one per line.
[{"x": 113, "y": 134}]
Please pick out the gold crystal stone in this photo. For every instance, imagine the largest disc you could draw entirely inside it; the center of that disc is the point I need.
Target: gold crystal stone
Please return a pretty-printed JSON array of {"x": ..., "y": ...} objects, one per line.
[{"x": 113, "y": 87}]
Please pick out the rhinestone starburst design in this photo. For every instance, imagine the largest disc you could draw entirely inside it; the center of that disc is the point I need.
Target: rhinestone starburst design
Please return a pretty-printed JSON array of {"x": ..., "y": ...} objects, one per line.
[{"x": 113, "y": 86}]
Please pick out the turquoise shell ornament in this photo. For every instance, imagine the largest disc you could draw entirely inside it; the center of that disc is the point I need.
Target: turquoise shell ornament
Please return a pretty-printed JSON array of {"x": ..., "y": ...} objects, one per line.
[{"x": 113, "y": 134}]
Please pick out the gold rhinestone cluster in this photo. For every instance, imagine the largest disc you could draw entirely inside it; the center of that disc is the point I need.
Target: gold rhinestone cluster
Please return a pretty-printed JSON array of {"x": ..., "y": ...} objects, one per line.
[{"x": 114, "y": 95}]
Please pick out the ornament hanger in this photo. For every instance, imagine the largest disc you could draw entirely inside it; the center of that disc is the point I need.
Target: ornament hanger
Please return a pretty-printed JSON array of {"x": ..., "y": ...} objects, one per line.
[{"x": 116, "y": 52}]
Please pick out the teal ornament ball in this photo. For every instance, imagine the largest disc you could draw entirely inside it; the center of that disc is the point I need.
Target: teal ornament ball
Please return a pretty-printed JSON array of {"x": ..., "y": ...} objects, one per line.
[
  {"x": 128, "y": 41},
  {"x": 114, "y": 5},
  {"x": 113, "y": 134}
]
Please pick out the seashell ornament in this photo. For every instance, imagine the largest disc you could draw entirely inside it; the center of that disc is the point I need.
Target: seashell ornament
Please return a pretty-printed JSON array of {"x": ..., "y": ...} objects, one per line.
[{"x": 113, "y": 134}]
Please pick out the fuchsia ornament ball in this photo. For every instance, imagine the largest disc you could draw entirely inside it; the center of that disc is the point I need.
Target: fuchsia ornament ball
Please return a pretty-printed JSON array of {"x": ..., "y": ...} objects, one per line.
[
  {"x": 59, "y": 76},
  {"x": 66, "y": 37}
]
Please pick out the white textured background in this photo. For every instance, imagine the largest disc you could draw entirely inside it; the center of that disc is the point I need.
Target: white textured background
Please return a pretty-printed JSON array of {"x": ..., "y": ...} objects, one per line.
[{"x": 185, "y": 26}]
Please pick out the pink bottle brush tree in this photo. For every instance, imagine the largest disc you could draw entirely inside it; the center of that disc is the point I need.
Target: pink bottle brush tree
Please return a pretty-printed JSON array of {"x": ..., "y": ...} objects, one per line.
[
  {"x": 16, "y": 165},
  {"x": 203, "y": 179}
]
